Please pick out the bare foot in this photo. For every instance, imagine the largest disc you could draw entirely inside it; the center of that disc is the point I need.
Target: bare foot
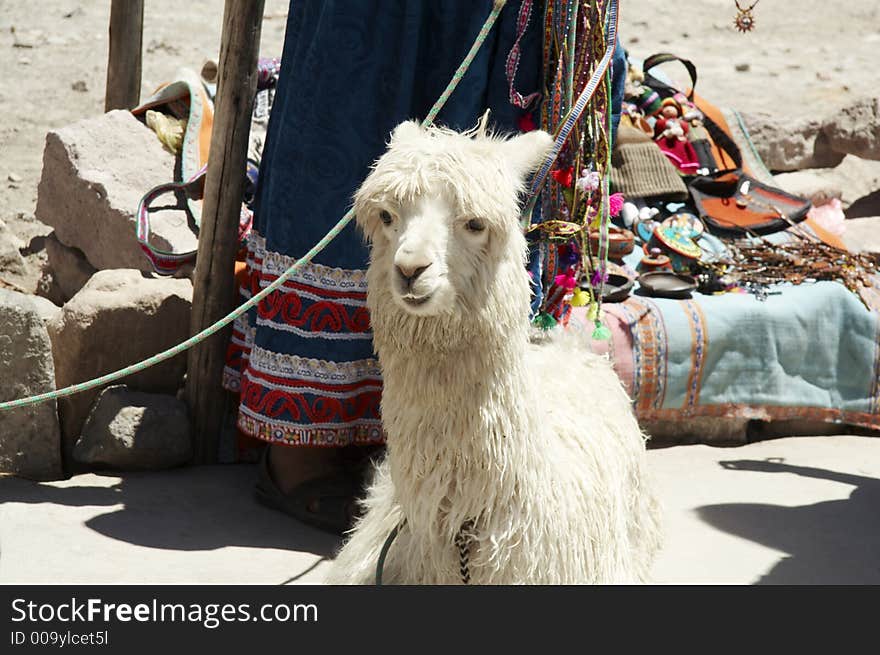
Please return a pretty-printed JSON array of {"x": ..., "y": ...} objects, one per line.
[{"x": 291, "y": 466}]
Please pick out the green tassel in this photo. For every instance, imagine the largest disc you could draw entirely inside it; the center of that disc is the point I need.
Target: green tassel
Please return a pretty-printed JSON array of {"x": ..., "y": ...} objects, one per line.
[
  {"x": 544, "y": 321},
  {"x": 593, "y": 312},
  {"x": 601, "y": 333}
]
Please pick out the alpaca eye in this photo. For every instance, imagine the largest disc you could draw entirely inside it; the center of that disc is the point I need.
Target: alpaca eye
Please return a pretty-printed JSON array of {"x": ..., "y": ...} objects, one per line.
[
  {"x": 475, "y": 225},
  {"x": 385, "y": 217}
]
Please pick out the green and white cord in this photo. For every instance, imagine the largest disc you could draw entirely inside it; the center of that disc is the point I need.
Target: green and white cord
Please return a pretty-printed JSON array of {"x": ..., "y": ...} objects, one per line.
[{"x": 286, "y": 275}]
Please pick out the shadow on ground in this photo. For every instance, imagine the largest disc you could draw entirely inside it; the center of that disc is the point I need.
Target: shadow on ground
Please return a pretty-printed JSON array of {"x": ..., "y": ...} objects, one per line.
[
  {"x": 189, "y": 509},
  {"x": 831, "y": 542}
]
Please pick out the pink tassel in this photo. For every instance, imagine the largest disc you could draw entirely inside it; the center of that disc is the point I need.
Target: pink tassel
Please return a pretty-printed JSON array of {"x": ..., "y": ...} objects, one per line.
[
  {"x": 615, "y": 204},
  {"x": 566, "y": 281}
]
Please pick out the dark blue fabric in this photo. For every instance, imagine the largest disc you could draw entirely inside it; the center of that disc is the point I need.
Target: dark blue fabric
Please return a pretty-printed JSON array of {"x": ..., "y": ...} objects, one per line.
[
  {"x": 350, "y": 72},
  {"x": 618, "y": 84}
]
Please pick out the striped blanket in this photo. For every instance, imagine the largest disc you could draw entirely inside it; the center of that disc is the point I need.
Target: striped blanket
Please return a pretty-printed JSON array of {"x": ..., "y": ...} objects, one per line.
[{"x": 810, "y": 352}]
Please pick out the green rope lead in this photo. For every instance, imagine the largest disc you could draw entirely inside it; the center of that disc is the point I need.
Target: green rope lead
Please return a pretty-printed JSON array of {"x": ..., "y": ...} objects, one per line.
[
  {"x": 229, "y": 318},
  {"x": 380, "y": 564}
]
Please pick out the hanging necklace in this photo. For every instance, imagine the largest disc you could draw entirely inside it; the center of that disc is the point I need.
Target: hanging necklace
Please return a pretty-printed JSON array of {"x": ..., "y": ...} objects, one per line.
[{"x": 745, "y": 21}]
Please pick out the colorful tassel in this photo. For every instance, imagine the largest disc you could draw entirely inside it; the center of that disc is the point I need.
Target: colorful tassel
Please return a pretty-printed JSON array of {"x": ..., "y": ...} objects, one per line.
[
  {"x": 598, "y": 277},
  {"x": 601, "y": 333},
  {"x": 615, "y": 204},
  {"x": 580, "y": 298},
  {"x": 588, "y": 182},
  {"x": 544, "y": 321},
  {"x": 567, "y": 281},
  {"x": 564, "y": 176},
  {"x": 526, "y": 123}
]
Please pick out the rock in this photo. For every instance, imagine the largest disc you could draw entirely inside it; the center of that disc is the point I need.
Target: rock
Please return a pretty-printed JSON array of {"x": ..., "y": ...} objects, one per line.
[
  {"x": 12, "y": 177},
  {"x": 22, "y": 255},
  {"x": 742, "y": 68},
  {"x": 789, "y": 144},
  {"x": 80, "y": 86},
  {"x": 30, "y": 437},
  {"x": 855, "y": 130},
  {"x": 11, "y": 260},
  {"x": 863, "y": 234},
  {"x": 69, "y": 267},
  {"x": 46, "y": 309},
  {"x": 118, "y": 318},
  {"x": 135, "y": 431},
  {"x": 851, "y": 180},
  {"x": 815, "y": 184},
  {"x": 94, "y": 174}
]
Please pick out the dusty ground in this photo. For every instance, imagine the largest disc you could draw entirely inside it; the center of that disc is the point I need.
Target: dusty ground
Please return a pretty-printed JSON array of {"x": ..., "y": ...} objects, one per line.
[
  {"x": 803, "y": 58},
  {"x": 789, "y": 511},
  {"x": 53, "y": 68}
]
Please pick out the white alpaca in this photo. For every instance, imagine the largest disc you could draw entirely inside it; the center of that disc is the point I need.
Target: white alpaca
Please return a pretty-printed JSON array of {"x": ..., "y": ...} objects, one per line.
[{"x": 535, "y": 446}]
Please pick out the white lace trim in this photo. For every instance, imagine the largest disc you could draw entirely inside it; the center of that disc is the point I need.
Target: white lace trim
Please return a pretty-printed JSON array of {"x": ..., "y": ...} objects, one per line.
[
  {"x": 317, "y": 275},
  {"x": 313, "y": 370}
]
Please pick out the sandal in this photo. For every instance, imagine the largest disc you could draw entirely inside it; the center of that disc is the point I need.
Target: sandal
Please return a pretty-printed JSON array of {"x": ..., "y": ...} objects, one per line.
[{"x": 328, "y": 503}]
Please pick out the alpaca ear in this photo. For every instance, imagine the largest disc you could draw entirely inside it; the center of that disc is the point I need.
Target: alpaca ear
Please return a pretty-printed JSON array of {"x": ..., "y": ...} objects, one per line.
[
  {"x": 406, "y": 131},
  {"x": 364, "y": 217},
  {"x": 526, "y": 152}
]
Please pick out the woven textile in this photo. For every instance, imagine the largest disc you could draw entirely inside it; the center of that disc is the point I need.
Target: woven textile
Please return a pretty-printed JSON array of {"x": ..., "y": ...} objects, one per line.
[
  {"x": 810, "y": 351},
  {"x": 303, "y": 361},
  {"x": 639, "y": 169}
]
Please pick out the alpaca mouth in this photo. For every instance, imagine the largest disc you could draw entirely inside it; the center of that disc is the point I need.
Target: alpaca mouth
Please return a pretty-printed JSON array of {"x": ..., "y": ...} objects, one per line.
[{"x": 414, "y": 301}]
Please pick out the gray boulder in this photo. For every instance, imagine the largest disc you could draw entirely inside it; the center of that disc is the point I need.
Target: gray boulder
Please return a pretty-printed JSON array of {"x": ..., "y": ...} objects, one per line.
[
  {"x": 69, "y": 268},
  {"x": 11, "y": 260},
  {"x": 135, "y": 431},
  {"x": 118, "y": 318},
  {"x": 46, "y": 309},
  {"x": 855, "y": 130},
  {"x": 851, "y": 180},
  {"x": 790, "y": 144},
  {"x": 30, "y": 437},
  {"x": 95, "y": 172},
  {"x": 863, "y": 234}
]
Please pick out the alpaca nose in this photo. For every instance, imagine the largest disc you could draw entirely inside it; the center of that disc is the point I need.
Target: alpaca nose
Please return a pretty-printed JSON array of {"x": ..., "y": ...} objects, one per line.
[{"x": 410, "y": 273}]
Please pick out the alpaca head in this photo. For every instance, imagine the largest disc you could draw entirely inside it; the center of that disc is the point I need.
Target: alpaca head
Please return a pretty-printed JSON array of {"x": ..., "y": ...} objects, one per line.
[{"x": 441, "y": 210}]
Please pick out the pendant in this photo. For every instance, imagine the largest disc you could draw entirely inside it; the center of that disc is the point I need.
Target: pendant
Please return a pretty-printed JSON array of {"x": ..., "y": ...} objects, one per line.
[{"x": 744, "y": 21}]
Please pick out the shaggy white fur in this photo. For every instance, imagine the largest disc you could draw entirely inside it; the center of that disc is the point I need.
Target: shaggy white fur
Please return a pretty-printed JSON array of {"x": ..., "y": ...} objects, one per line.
[{"x": 536, "y": 443}]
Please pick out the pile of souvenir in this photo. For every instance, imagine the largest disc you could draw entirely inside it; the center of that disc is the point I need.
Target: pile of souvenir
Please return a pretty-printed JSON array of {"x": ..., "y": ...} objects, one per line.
[
  {"x": 690, "y": 214},
  {"x": 680, "y": 203}
]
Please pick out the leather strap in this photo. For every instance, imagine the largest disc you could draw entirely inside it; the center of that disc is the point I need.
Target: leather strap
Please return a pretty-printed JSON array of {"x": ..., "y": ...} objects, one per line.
[{"x": 665, "y": 57}]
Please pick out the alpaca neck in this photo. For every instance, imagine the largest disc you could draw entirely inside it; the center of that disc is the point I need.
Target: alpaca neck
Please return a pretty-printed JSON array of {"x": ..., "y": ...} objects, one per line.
[
  {"x": 458, "y": 422},
  {"x": 461, "y": 394}
]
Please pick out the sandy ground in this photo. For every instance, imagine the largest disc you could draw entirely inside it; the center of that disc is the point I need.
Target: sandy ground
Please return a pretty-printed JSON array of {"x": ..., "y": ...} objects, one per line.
[
  {"x": 790, "y": 511},
  {"x": 53, "y": 69},
  {"x": 804, "y": 58}
]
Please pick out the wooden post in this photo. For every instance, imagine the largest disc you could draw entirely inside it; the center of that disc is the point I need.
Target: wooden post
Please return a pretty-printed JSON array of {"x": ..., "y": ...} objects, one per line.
[
  {"x": 214, "y": 289},
  {"x": 124, "y": 62}
]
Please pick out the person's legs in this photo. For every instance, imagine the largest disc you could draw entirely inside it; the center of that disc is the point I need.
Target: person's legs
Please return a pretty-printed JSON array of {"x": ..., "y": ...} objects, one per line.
[
  {"x": 290, "y": 467},
  {"x": 309, "y": 382}
]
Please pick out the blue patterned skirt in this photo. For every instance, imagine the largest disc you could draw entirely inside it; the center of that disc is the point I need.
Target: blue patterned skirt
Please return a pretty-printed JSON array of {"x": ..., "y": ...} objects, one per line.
[{"x": 303, "y": 360}]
